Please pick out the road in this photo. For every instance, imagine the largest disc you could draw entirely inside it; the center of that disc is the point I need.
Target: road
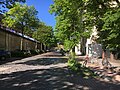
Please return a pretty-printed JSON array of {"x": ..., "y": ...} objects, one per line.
[{"x": 46, "y": 72}]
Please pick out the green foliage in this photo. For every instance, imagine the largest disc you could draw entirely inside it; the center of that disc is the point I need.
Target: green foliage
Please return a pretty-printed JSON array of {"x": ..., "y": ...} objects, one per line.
[
  {"x": 79, "y": 69},
  {"x": 19, "y": 54},
  {"x": 44, "y": 34},
  {"x": 69, "y": 21},
  {"x": 4, "y": 4},
  {"x": 68, "y": 44},
  {"x": 105, "y": 15},
  {"x": 111, "y": 25},
  {"x": 21, "y": 18},
  {"x": 72, "y": 64}
]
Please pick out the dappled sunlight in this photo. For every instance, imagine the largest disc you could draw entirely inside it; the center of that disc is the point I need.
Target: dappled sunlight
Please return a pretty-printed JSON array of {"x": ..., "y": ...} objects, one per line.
[
  {"x": 48, "y": 74},
  {"x": 44, "y": 61},
  {"x": 52, "y": 79}
]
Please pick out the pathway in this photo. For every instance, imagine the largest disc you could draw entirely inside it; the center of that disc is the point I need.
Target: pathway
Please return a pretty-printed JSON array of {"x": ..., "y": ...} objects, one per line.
[{"x": 46, "y": 72}]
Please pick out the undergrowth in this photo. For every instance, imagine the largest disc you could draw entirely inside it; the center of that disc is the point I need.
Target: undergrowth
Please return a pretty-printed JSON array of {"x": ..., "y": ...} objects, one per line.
[{"x": 76, "y": 67}]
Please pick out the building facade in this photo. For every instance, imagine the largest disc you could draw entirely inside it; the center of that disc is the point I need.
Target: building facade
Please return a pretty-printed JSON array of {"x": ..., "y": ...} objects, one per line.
[{"x": 10, "y": 41}]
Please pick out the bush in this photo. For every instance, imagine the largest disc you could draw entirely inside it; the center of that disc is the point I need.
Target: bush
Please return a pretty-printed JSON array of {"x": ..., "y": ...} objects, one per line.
[
  {"x": 18, "y": 54},
  {"x": 34, "y": 52},
  {"x": 21, "y": 53},
  {"x": 79, "y": 69}
]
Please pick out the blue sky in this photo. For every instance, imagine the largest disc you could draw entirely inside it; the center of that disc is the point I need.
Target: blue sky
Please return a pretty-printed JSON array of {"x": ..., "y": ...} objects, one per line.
[{"x": 42, "y": 6}]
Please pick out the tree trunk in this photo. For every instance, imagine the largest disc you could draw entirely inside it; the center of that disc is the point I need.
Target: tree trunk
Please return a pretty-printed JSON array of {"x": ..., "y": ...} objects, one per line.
[
  {"x": 21, "y": 45},
  {"x": 41, "y": 47},
  {"x": 73, "y": 49},
  {"x": 72, "y": 53},
  {"x": 111, "y": 56},
  {"x": 36, "y": 46}
]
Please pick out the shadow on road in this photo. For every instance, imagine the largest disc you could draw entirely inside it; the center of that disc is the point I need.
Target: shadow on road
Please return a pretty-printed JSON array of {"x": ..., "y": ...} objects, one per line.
[
  {"x": 51, "y": 79},
  {"x": 10, "y": 60},
  {"x": 45, "y": 61},
  {"x": 46, "y": 55}
]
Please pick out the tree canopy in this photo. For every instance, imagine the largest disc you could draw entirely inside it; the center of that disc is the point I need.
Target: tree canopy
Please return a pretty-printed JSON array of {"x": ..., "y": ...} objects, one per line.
[
  {"x": 22, "y": 18},
  {"x": 78, "y": 17},
  {"x": 69, "y": 25},
  {"x": 106, "y": 18},
  {"x": 44, "y": 34},
  {"x": 110, "y": 32},
  {"x": 8, "y": 4}
]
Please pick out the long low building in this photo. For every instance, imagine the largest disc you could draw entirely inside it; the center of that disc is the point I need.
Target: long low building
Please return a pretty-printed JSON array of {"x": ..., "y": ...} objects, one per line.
[{"x": 10, "y": 40}]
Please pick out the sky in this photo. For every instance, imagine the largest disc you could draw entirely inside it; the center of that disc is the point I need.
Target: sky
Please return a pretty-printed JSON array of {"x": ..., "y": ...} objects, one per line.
[{"x": 42, "y": 6}]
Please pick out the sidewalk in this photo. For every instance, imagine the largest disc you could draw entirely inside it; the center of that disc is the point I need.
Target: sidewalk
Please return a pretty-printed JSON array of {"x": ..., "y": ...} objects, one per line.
[
  {"x": 109, "y": 74},
  {"x": 115, "y": 63}
]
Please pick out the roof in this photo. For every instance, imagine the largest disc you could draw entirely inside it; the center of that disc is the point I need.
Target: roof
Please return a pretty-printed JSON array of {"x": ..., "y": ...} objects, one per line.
[{"x": 17, "y": 33}]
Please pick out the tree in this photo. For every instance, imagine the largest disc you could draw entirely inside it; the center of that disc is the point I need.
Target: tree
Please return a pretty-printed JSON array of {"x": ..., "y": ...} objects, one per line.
[
  {"x": 104, "y": 14},
  {"x": 69, "y": 24},
  {"x": 8, "y": 4},
  {"x": 111, "y": 29},
  {"x": 44, "y": 34},
  {"x": 22, "y": 18},
  {"x": 106, "y": 19}
]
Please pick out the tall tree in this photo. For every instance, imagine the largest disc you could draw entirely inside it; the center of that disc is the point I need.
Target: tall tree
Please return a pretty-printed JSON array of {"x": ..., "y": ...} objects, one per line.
[
  {"x": 104, "y": 14},
  {"x": 22, "y": 18},
  {"x": 106, "y": 18},
  {"x": 44, "y": 34},
  {"x": 8, "y": 4},
  {"x": 109, "y": 33},
  {"x": 69, "y": 25}
]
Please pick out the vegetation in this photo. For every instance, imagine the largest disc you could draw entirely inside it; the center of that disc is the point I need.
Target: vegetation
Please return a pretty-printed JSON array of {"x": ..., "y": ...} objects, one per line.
[
  {"x": 8, "y": 4},
  {"x": 110, "y": 29},
  {"x": 44, "y": 34},
  {"x": 76, "y": 19},
  {"x": 104, "y": 15},
  {"x": 70, "y": 29},
  {"x": 69, "y": 25},
  {"x": 21, "y": 18},
  {"x": 80, "y": 70},
  {"x": 25, "y": 53}
]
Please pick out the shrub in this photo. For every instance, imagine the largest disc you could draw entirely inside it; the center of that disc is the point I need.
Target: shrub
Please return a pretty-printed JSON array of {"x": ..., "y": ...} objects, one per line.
[
  {"x": 20, "y": 53},
  {"x": 79, "y": 69},
  {"x": 33, "y": 52}
]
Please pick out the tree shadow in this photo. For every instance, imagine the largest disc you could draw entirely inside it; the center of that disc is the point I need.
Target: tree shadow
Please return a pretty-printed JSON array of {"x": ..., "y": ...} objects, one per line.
[
  {"x": 45, "y": 61},
  {"x": 51, "y": 79},
  {"x": 10, "y": 60},
  {"x": 52, "y": 54}
]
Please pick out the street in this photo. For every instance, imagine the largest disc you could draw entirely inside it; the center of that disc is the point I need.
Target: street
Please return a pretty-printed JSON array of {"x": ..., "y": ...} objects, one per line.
[{"x": 46, "y": 72}]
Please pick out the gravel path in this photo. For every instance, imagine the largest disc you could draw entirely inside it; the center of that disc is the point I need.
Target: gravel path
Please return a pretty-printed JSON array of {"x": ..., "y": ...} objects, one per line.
[{"x": 46, "y": 72}]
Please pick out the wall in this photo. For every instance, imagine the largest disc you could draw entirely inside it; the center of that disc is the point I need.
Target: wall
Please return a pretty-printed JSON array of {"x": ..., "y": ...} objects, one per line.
[{"x": 10, "y": 41}]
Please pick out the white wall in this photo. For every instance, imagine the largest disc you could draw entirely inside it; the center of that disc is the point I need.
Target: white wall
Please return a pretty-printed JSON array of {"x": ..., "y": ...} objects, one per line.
[{"x": 77, "y": 49}]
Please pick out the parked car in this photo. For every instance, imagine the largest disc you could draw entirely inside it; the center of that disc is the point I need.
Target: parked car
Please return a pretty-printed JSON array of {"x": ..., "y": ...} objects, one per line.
[{"x": 4, "y": 54}]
